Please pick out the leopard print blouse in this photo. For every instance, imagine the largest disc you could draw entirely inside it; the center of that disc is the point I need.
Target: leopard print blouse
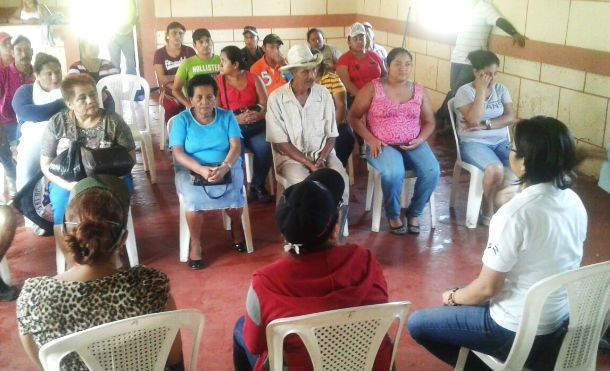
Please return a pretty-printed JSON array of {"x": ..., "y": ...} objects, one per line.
[{"x": 48, "y": 308}]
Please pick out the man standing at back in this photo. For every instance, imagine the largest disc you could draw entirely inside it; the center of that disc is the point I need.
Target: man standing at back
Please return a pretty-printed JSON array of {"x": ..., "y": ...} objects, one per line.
[
  {"x": 268, "y": 67},
  {"x": 251, "y": 52},
  {"x": 18, "y": 73},
  {"x": 204, "y": 62}
]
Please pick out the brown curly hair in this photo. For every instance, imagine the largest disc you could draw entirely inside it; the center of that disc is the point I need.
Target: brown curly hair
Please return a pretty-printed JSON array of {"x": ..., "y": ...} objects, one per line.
[{"x": 101, "y": 222}]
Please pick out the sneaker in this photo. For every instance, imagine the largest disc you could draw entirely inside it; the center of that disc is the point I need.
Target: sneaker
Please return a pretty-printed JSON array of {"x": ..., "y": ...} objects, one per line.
[{"x": 261, "y": 194}]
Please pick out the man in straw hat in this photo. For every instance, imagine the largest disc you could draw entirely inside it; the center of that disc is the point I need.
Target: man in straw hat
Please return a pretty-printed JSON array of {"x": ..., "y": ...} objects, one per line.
[{"x": 301, "y": 123}]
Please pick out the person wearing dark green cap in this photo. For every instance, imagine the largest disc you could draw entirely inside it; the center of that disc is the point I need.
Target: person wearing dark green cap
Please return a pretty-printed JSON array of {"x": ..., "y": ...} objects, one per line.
[{"x": 92, "y": 291}]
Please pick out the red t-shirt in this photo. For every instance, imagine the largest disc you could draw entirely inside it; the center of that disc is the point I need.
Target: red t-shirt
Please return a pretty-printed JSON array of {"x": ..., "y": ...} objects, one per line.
[
  {"x": 361, "y": 71},
  {"x": 340, "y": 277},
  {"x": 237, "y": 98},
  {"x": 170, "y": 64}
]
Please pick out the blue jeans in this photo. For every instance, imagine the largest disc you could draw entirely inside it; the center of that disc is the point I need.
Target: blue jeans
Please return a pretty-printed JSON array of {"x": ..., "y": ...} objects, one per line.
[
  {"x": 243, "y": 360},
  {"x": 59, "y": 199},
  {"x": 391, "y": 163},
  {"x": 125, "y": 44},
  {"x": 482, "y": 155},
  {"x": 262, "y": 156},
  {"x": 442, "y": 331}
]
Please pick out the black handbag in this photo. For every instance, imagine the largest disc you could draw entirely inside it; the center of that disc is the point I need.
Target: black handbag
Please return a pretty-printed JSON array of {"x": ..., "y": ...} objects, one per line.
[
  {"x": 68, "y": 164},
  {"x": 115, "y": 161},
  {"x": 199, "y": 180},
  {"x": 33, "y": 202}
]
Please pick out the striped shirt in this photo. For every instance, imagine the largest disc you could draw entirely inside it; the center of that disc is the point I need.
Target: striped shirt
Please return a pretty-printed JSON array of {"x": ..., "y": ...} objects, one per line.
[
  {"x": 107, "y": 68},
  {"x": 475, "y": 32},
  {"x": 333, "y": 83}
]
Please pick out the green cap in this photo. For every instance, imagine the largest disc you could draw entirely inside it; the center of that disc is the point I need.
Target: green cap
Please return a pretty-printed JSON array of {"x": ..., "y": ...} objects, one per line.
[{"x": 115, "y": 185}]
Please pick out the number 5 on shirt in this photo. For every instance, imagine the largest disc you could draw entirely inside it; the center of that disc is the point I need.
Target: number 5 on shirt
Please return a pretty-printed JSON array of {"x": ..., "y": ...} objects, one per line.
[{"x": 267, "y": 80}]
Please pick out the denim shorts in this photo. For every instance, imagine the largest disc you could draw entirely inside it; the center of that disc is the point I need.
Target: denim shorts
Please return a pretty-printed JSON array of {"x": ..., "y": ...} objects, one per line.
[{"x": 482, "y": 155}]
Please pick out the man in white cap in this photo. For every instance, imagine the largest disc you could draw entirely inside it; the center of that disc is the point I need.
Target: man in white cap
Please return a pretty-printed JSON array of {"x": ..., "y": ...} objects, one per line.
[{"x": 301, "y": 124}]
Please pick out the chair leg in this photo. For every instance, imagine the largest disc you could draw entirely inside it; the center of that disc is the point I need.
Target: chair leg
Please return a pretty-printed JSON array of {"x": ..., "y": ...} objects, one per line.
[
  {"x": 130, "y": 245},
  {"x": 249, "y": 162},
  {"x": 245, "y": 222},
  {"x": 163, "y": 131},
  {"x": 270, "y": 183},
  {"x": 432, "y": 206},
  {"x": 350, "y": 170},
  {"x": 185, "y": 234},
  {"x": 5, "y": 273},
  {"x": 2, "y": 181},
  {"x": 377, "y": 201},
  {"x": 369, "y": 190},
  {"x": 226, "y": 220},
  {"x": 475, "y": 195},
  {"x": 457, "y": 171},
  {"x": 60, "y": 260},
  {"x": 462, "y": 357},
  {"x": 147, "y": 150}
]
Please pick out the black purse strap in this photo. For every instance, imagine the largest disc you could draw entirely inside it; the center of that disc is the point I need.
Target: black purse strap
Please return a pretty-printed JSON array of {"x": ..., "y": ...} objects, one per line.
[
  {"x": 224, "y": 87},
  {"x": 219, "y": 196}
]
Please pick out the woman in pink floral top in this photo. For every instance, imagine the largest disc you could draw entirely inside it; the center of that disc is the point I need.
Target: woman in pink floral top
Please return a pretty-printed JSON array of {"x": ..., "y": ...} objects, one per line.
[{"x": 400, "y": 119}]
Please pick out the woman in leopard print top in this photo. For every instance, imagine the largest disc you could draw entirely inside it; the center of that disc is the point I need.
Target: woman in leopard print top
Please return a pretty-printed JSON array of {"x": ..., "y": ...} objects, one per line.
[{"x": 93, "y": 291}]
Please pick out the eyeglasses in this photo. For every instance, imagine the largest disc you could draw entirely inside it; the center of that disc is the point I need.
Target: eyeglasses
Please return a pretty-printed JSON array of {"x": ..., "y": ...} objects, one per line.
[
  {"x": 74, "y": 224},
  {"x": 509, "y": 147}
]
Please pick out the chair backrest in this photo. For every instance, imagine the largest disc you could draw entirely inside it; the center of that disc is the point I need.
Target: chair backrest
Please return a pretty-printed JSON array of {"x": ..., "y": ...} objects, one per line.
[
  {"x": 124, "y": 88},
  {"x": 137, "y": 343},
  {"x": 343, "y": 339},
  {"x": 170, "y": 123},
  {"x": 451, "y": 108},
  {"x": 588, "y": 291}
]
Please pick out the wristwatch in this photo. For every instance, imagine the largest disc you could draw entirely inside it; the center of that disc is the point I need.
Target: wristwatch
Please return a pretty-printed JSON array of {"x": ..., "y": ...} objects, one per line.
[{"x": 488, "y": 124}]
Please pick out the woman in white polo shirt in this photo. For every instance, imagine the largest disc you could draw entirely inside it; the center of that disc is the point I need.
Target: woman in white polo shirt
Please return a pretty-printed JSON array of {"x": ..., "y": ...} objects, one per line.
[{"x": 539, "y": 233}]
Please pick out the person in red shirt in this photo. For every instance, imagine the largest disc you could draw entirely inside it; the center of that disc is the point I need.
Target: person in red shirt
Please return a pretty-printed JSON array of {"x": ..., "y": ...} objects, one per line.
[
  {"x": 18, "y": 73},
  {"x": 268, "y": 67},
  {"x": 357, "y": 67},
  {"x": 315, "y": 275}
]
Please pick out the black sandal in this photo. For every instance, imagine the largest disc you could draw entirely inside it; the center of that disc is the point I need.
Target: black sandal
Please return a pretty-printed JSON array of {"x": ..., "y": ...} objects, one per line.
[
  {"x": 400, "y": 230},
  {"x": 412, "y": 229}
]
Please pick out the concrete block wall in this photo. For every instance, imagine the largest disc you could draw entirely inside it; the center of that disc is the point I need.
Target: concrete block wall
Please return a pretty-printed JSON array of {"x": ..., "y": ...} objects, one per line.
[{"x": 580, "y": 97}]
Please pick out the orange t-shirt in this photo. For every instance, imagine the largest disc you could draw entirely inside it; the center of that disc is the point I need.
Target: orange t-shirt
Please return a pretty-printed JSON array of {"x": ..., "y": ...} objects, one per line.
[{"x": 272, "y": 78}]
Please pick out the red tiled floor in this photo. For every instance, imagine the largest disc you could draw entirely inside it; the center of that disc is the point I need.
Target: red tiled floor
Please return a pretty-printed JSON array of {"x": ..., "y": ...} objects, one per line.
[{"x": 417, "y": 268}]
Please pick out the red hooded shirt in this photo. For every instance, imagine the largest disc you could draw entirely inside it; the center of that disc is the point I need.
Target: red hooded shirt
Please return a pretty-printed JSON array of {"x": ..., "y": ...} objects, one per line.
[{"x": 340, "y": 277}]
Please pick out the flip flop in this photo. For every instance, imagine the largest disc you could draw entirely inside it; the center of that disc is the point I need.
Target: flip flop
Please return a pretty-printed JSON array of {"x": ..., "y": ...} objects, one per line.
[{"x": 400, "y": 230}]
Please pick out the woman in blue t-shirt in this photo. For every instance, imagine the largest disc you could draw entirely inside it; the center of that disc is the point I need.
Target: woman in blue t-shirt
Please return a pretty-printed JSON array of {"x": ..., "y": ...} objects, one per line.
[
  {"x": 484, "y": 109},
  {"x": 206, "y": 141}
]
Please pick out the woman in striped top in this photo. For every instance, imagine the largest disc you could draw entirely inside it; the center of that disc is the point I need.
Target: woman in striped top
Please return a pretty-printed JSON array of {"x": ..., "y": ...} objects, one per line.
[{"x": 325, "y": 76}]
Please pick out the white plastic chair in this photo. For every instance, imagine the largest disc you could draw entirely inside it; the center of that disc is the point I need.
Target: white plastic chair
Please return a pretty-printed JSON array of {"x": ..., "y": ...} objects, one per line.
[
  {"x": 124, "y": 88},
  {"x": 185, "y": 234},
  {"x": 3, "y": 181},
  {"x": 130, "y": 246},
  {"x": 137, "y": 343},
  {"x": 163, "y": 134},
  {"x": 5, "y": 273},
  {"x": 588, "y": 292},
  {"x": 281, "y": 184},
  {"x": 342, "y": 339},
  {"x": 249, "y": 165},
  {"x": 374, "y": 197},
  {"x": 475, "y": 189}
]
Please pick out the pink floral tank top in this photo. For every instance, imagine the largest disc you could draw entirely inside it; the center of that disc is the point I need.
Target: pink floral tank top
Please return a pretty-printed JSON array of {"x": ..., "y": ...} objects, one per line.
[{"x": 393, "y": 122}]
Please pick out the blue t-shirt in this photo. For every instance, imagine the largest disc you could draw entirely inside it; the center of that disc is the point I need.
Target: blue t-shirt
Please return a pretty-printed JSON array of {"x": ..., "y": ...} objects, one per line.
[
  {"x": 209, "y": 143},
  {"x": 494, "y": 108}
]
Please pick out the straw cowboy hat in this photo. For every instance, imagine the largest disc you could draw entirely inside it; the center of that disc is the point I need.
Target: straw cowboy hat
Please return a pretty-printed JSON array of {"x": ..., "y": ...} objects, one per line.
[{"x": 301, "y": 56}]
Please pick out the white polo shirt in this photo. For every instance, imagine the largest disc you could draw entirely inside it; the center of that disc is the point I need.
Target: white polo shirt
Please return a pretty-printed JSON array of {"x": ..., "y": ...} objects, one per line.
[
  {"x": 539, "y": 233},
  {"x": 475, "y": 32}
]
